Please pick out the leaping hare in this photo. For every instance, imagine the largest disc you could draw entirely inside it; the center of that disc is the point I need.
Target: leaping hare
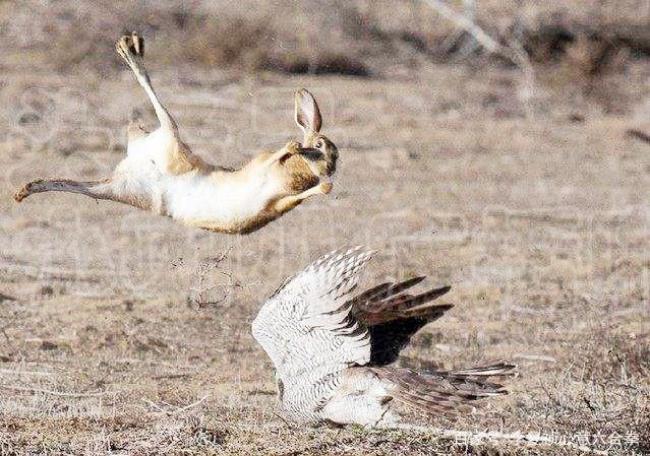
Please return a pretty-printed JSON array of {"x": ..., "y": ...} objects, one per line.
[{"x": 161, "y": 174}]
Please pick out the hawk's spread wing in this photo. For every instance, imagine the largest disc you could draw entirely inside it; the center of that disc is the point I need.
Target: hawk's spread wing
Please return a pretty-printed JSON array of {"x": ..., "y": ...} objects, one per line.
[{"x": 306, "y": 326}]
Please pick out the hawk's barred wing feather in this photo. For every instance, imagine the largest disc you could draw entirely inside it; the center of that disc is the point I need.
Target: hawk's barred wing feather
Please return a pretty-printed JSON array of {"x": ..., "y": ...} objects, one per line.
[{"x": 306, "y": 325}]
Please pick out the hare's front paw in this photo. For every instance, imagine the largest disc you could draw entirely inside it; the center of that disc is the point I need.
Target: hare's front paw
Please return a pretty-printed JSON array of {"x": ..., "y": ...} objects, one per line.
[
  {"x": 292, "y": 147},
  {"x": 325, "y": 187}
]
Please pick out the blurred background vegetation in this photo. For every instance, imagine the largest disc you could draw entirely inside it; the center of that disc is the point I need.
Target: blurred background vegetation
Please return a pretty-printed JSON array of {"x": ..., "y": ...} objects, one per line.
[
  {"x": 578, "y": 49},
  {"x": 358, "y": 37}
]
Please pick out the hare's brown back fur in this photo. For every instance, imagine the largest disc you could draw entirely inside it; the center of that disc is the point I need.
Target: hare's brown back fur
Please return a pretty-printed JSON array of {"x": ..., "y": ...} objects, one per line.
[
  {"x": 297, "y": 177},
  {"x": 183, "y": 161}
]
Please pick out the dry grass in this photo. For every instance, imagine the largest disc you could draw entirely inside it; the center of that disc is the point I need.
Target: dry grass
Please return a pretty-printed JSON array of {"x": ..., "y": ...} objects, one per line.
[{"x": 124, "y": 333}]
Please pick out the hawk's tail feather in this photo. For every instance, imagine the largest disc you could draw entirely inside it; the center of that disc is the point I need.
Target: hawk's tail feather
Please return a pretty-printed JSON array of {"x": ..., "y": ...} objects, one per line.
[
  {"x": 444, "y": 390},
  {"x": 492, "y": 370}
]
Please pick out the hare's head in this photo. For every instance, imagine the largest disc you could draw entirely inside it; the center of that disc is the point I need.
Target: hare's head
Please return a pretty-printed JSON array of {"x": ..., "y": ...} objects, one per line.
[{"x": 317, "y": 148}]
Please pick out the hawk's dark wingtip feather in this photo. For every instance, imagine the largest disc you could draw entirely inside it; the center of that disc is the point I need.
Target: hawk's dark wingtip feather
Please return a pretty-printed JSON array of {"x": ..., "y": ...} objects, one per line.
[{"x": 392, "y": 318}]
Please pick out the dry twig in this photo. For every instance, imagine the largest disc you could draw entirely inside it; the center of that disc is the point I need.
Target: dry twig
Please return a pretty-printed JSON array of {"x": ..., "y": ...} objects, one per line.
[
  {"x": 638, "y": 134},
  {"x": 177, "y": 410},
  {"x": 56, "y": 393},
  {"x": 514, "y": 51}
]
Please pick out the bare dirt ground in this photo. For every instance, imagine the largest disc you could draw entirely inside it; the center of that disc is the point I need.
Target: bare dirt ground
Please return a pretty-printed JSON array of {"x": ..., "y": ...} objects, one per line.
[{"x": 125, "y": 333}]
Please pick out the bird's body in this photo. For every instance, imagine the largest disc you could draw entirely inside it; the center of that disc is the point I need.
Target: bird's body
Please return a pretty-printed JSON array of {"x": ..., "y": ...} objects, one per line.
[{"x": 332, "y": 351}]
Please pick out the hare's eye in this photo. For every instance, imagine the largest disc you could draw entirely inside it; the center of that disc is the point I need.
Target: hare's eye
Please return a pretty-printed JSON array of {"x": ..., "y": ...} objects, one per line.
[{"x": 319, "y": 144}]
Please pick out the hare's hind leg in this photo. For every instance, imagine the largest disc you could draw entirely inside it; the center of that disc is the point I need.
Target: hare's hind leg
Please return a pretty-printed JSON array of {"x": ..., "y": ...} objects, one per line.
[
  {"x": 175, "y": 156},
  {"x": 131, "y": 49},
  {"x": 104, "y": 189},
  {"x": 94, "y": 189}
]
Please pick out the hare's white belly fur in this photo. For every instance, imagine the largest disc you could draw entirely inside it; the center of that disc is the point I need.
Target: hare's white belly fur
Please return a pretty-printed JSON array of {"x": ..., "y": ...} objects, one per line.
[{"x": 221, "y": 197}]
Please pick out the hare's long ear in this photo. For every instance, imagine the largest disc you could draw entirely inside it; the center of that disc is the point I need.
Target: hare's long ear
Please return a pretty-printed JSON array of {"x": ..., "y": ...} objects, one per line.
[{"x": 307, "y": 113}]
